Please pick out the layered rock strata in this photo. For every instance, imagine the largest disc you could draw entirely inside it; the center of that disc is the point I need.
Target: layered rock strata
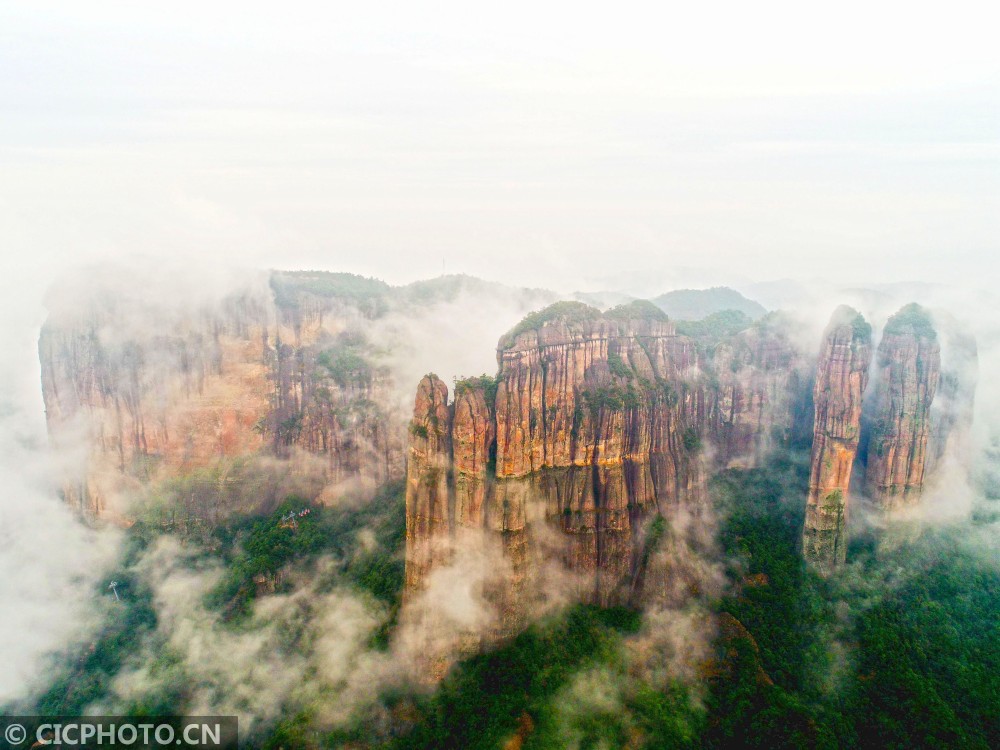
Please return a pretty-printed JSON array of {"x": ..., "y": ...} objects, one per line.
[
  {"x": 908, "y": 370},
  {"x": 150, "y": 390},
  {"x": 841, "y": 380},
  {"x": 760, "y": 382},
  {"x": 589, "y": 440},
  {"x": 429, "y": 512}
]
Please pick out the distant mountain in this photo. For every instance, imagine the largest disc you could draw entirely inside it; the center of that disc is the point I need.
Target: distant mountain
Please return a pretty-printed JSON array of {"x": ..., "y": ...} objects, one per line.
[
  {"x": 695, "y": 304},
  {"x": 448, "y": 288}
]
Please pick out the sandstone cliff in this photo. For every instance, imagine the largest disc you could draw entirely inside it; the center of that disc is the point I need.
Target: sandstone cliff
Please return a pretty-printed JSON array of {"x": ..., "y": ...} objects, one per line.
[
  {"x": 908, "y": 369},
  {"x": 841, "y": 380},
  {"x": 429, "y": 512},
  {"x": 570, "y": 465},
  {"x": 153, "y": 389},
  {"x": 760, "y": 381}
]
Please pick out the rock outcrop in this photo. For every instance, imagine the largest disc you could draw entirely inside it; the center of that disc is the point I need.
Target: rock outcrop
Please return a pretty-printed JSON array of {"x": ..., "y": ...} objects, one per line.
[
  {"x": 154, "y": 389},
  {"x": 760, "y": 380},
  {"x": 568, "y": 465},
  {"x": 429, "y": 512},
  {"x": 592, "y": 436},
  {"x": 841, "y": 380},
  {"x": 908, "y": 370}
]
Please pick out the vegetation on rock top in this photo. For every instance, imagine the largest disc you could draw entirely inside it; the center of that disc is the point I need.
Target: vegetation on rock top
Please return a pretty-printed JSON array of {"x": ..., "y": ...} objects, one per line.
[
  {"x": 287, "y": 285},
  {"x": 914, "y": 319},
  {"x": 639, "y": 309},
  {"x": 488, "y": 384},
  {"x": 566, "y": 311},
  {"x": 716, "y": 327}
]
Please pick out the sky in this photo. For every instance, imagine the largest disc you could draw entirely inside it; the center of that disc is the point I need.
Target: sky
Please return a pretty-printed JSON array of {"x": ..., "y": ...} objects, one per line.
[{"x": 561, "y": 145}]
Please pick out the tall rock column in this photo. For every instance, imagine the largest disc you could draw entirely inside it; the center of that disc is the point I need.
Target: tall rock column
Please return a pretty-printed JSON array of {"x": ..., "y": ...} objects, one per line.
[
  {"x": 428, "y": 527},
  {"x": 909, "y": 366},
  {"x": 473, "y": 451},
  {"x": 841, "y": 379}
]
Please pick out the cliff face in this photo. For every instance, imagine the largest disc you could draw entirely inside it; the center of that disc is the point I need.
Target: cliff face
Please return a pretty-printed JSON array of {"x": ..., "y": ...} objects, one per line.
[
  {"x": 592, "y": 437},
  {"x": 147, "y": 405},
  {"x": 589, "y": 440},
  {"x": 155, "y": 393},
  {"x": 841, "y": 379},
  {"x": 759, "y": 388},
  {"x": 429, "y": 512},
  {"x": 909, "y": 366}
]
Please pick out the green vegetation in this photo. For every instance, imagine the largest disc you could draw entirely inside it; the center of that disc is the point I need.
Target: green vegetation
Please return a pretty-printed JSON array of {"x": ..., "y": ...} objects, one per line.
[
  {"x": 612, "y": 398},
  {"x": 618, "y": 367},
  {"x": 855, "y": 661},
  {"x": 367, "y": 294},
  {"x": 250, "y": 548},
  {"x": 488, "y": 384},
  {"x": 691, "y": 439},
  {"x": 862, "y": 328},
  {"x": 256, "y": 548},
  {"x": 716, "y": 327},
  {"x": 486, "y": 699},
  {"x": 128, "y": 623},
  {"x": 846, "y": 315},
  {"x": 928, "y": 666},
  {"x": 911, "y": 318},
  {"x": 567, "y": 311},
  {"x": 897, "y": 650},
  {"x": 448, "y": 288},
  {"x": 639, "y": 309},
  {"x": 442, "y": 289},
  {"x": 192, "y": 505},
  {"x": 668, "y": 391},
  {"x": 346, "y": 365},
  {"x": 800, "y": 661},
  {"x": 572, "y": 312}
]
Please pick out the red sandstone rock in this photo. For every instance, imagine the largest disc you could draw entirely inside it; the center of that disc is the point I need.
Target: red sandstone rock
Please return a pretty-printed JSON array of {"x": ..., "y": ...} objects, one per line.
[{"x": 841, "y": 379}]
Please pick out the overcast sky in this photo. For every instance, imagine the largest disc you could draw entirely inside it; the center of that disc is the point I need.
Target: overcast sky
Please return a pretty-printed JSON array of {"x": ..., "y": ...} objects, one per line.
[{"x": 563, "y": 145}]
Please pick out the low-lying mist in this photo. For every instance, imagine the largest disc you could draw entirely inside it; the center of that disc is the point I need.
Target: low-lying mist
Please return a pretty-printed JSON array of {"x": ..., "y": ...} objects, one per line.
[{"x": 306, "y": 634}]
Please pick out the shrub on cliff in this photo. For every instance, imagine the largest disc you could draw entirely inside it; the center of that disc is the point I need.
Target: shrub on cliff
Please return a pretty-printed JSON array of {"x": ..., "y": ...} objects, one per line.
[
  {"x": 639, "y": 309},
  {"x": 488, "y": 384},
  {"x": 911, "y": 318}
]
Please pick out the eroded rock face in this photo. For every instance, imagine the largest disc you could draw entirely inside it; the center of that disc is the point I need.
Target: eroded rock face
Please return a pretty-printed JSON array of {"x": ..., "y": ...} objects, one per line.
[
  {"x": 572, "y": 464},
  {"x": 908, "y": 370},
  {"x": 429, "y": 512},
  {"x": 157, "y": 392},
  {"x": 473, "y": 451},
  {"x": 146, "y": 405},
  {"x": 760, "y": 382},
  {"x": 841, "y": 380},
  {"x": 594, "y": 439}
]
